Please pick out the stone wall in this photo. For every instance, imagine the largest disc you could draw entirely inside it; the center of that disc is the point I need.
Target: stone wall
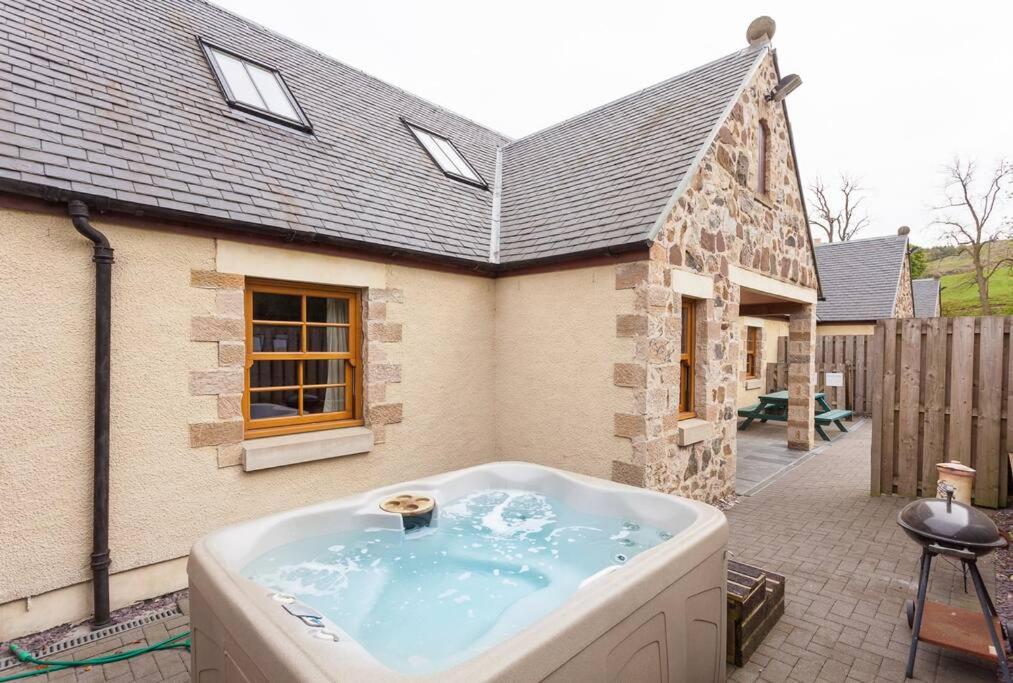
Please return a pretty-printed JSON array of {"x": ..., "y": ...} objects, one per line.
[
  {"x": 226, "y": 329},
  {"x": 719, "y": 221},
  {"x": 382, "y": 357},
  {"x": 904, "y": 307}
]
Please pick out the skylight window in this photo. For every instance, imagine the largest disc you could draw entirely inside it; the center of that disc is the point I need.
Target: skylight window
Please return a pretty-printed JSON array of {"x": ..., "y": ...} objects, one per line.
[
  {"x": 446, "y": 156},
  {"x": 254, "y": 87}
]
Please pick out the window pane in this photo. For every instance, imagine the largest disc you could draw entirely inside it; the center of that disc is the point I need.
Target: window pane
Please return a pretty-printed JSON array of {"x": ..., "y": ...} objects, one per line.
[
  {"x": 457, "y": 165},
  {"x": 274, "y": 373},
  {"x": 686, "y": 329},
  {"x": 270, "y": 89},
  {"x": 277, "y": 338},
  {"x": 457, "y": 159},
  {"x": 267, "y": 404},
  {"x": 442, "y": 160},
  {"x": 329, "y": 400},
  {"x": 237, "y": 79},
  {"x": 685, "y": 384},
  {"x": 268, "y": 306},
  {"x": 324, "y": 372},
  {"x": 327, "y": 339},
  {"x": 321, "y": 310}
]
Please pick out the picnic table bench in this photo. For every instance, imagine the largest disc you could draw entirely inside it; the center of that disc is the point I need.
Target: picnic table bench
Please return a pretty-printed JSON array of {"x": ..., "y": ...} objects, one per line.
[{"x": 774, "y": 406}]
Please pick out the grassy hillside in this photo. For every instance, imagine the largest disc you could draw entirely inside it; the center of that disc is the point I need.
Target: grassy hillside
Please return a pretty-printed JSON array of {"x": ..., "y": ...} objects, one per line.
[
  {"x": 946, "y": 260},
  {"x": 956, "y": 277},
  {"x": 960, "y": 294}
]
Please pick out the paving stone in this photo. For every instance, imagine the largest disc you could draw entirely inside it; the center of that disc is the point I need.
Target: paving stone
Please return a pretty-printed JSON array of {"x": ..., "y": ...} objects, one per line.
[{"x": 849, "y": 569}]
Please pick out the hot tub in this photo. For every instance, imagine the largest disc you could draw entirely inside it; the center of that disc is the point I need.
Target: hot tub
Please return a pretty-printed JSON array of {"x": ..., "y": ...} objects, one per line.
[{"x": 523, "y": 573}]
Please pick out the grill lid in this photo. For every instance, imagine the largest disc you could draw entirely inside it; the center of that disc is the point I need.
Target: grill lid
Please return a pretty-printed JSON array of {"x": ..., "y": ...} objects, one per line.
[{"x": 949, "y": 521}]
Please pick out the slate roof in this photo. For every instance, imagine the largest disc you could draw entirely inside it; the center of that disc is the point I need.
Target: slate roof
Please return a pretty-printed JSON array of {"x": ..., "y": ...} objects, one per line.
[
  {"x": 926, "y": 297},
  {"x": 113, "y": 101},
  {"x": 860, "y": 278},
  {"x": 602, "y": 178}
]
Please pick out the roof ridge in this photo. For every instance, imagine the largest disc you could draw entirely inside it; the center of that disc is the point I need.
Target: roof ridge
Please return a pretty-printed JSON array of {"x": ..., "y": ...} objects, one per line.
[
  {"x": 507, "y": 139},
  {"x": 860, "y": 239},
  {"x": 635, "y": 93}
]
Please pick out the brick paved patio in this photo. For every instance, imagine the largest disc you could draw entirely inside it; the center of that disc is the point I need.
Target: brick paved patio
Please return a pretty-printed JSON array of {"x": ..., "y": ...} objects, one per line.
[
  {"x": 166, "y": 665},
  {"x": 850, "y": 568}
]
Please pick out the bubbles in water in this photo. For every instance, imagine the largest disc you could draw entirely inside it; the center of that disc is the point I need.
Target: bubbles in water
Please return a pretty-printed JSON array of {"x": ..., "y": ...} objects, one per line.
[
  {"x": 497, "y": 561},
  {"x": 664, "y": 535}
]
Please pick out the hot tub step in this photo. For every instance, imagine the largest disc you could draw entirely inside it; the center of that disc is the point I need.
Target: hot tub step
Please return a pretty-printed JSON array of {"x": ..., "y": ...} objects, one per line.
[{"x": 755, "y": 603}]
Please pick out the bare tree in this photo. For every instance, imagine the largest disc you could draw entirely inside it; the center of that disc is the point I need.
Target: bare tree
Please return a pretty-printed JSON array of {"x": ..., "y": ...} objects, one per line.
[
  {"x": 840, "y": 217},
  {"x": 969, "y": 218}
]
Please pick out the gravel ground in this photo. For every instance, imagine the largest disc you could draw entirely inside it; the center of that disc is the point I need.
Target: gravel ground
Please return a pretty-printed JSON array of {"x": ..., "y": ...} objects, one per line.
[
  {"x": 39, "y": 641},
  {"x": 1003, "y": 562}
]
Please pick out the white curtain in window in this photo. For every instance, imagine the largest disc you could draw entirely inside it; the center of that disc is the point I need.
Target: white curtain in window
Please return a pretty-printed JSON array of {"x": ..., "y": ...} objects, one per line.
[{"x": 337, "y": 312}]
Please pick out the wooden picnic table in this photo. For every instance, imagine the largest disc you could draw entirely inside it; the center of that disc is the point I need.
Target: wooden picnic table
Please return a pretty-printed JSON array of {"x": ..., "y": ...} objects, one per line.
[{"x": 774, "y": 406}]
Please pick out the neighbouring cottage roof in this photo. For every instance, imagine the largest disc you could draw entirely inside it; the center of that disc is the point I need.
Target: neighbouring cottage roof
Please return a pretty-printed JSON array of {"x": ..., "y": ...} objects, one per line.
[
  {"x": 926, "y": 297},
  {"x": 113, "y": 101},
  {"x": 860, "y": 278}
]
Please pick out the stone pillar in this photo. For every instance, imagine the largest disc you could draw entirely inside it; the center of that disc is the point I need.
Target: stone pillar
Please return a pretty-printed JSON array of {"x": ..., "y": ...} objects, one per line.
[{"x": 802, "y": 377}]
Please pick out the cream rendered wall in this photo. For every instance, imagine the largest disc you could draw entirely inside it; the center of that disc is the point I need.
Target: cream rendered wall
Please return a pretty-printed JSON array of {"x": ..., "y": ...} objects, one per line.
[
  {"x": 772, "y": 329},
  {"x": 844, "y": 328},
  {"x": 164, "y": 493},
  {"x": 158, "y": 486},
  {"x": 555, "y": 346}
]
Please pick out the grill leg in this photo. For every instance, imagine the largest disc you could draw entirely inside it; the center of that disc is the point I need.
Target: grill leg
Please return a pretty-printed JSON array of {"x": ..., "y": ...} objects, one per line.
[
  {"x": 988, "y": 610},
  {"x": 923, "y": 585}
]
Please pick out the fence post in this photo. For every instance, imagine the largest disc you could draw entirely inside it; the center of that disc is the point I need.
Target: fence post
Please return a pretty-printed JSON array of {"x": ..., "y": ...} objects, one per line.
[{"x": 875, "y": 354}]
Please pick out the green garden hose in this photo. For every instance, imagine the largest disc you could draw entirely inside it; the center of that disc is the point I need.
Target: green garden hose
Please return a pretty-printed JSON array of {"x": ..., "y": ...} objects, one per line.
[{"x": 52, "y": 665}]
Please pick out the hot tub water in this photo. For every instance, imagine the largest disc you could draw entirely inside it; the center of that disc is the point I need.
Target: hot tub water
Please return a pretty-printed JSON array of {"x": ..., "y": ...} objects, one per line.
[{"x": 421, "y": 601}]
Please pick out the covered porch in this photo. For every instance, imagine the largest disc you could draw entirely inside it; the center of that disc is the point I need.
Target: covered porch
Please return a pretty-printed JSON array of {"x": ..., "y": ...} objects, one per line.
[{"x": 764, "y": 297}]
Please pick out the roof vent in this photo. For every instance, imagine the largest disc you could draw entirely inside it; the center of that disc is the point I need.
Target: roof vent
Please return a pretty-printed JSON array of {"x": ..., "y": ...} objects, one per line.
[
  {"x": 903, "y": 230},
  {"x": 761, "y": 30}
]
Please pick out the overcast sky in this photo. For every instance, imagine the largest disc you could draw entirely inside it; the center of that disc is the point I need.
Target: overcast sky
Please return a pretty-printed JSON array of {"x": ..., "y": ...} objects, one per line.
[{"x": 890, "y": 92}]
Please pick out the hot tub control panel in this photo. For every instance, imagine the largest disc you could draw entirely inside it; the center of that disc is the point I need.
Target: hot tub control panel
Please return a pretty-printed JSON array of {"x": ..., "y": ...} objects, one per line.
[{"x": 308, "y": 615}]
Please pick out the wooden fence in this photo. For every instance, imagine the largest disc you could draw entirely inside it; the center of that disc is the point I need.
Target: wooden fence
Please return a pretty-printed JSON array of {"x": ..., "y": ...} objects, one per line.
[
  {"x": 847, "y": 354},
  {"x": 942, "y": 390}
]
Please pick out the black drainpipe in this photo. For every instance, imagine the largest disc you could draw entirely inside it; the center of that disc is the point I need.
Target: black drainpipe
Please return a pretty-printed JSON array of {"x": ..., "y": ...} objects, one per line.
[{"x": 103, "y": 258}]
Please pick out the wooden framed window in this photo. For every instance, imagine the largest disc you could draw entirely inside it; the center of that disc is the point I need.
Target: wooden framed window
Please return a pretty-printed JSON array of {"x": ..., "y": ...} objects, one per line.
[
  {"x": 303, "y": 370},
  {"x": 762, "y": 134},
  {"x": 687, "y": 360},
  {"x": 752, "y": 352}
]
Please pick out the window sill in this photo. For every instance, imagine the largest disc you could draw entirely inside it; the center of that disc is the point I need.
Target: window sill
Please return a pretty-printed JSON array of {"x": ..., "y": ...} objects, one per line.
[
  {"x": 753, "y": 383},
  {"x": 764, "y": 199},
  {"x": 693, "y": 430},
  {"x": 290, "y": 449}
]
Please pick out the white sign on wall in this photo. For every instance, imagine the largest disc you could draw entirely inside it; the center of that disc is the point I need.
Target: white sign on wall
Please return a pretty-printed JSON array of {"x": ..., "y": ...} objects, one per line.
[{"x": 834, "y": 379}]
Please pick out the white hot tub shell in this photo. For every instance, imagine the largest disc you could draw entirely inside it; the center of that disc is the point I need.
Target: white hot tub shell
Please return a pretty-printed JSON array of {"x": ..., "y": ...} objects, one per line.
[{"x": 659, "y": 617}]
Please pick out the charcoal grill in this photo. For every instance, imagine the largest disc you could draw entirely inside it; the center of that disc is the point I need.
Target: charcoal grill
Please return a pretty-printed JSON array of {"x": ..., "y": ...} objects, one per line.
[{"x": 951, "y": 529}]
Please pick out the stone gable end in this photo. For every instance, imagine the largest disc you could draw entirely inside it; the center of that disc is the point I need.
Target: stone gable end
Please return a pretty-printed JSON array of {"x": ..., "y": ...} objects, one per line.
[
  {"x": 720, "y": 221},
  {"x": 904, "y": 305}
]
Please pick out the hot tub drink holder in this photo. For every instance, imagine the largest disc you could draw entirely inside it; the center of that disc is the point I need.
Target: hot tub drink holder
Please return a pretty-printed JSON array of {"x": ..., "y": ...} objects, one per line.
[
  {"x": 416, "y": 510},
  {"x": 943, "y": 625}
]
